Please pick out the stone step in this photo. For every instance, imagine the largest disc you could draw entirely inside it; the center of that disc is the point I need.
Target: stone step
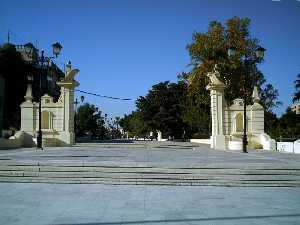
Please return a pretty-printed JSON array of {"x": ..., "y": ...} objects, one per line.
[
  {"x": 152, "y": 170},
  {"x": 64, "y": 174},
  {"x": 129, "y": 165},
  {"x": 229, "y": 183},
  {"x": 72, "y": 171},
  {"x": 167, "y": 165}
]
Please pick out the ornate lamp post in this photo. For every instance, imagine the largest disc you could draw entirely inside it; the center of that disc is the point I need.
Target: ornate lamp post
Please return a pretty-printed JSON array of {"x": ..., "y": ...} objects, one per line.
[
  {"x": 43, "y": 62},
  {"x": 248, "y": 60}
]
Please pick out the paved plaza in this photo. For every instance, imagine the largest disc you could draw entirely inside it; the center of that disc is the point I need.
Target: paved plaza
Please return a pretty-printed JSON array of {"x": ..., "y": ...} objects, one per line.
[
  {"x": 167, "y": 154},
  {"x": 100, "y": 204}
]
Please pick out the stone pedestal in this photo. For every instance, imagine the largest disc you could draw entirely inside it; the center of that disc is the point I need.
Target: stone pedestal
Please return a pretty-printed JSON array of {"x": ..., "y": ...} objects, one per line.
[
  {"x": 217, "y": 142},
  {"x": 28, "y": 117}
]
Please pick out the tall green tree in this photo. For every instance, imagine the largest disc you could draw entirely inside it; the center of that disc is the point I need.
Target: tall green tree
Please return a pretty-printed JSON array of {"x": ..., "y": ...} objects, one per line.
[
  {"x": 210, "y": 48},
  {"x": 269, "y": 97},
  {"x": 289, "y": 125},
  {"x": 89, "y": 120},
  {"x": 162, "y": 108},
  {"x": 14, "y": 70},
  {"x": 134, "y": 125},
  {"x": 297, "y": 87}
]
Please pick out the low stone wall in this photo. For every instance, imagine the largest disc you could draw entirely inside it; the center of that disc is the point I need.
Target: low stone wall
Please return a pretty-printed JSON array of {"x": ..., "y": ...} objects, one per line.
[
  {"x": 297, "y": 147},
  {"x": 289, "y": 147},
  {"x": 200, "y": 141}
]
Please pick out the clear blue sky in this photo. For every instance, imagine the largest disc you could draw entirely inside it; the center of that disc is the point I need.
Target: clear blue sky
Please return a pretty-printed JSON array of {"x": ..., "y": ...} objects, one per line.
[{"x": 123, "y": 47}]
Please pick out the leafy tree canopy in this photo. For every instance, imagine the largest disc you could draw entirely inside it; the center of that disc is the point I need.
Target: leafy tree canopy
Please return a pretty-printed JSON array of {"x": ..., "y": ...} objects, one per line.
[
  {"x": 14, "y": 70},
  {"x": 287, "y": 126},
  {"x": 134, "y": 125},
  {"x": 89, "y": 120},
  {"x": 211, "y": 47},
  {"x": 297, "y": 87},
  {"x": 162, "y": 108}
]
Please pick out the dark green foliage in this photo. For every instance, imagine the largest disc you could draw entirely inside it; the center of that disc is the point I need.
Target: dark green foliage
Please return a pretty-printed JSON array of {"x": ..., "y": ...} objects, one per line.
[
  {"x": 15, "y": 71},
  {"x": 289, "y": 125},
  {"x": 89, "y": 120},
  {"x": 163, "y": 107},
  {"x": 297, "y": 87},
  {"x": 269, "y": 96},
  {"x": 197, "y": 114},
  {"x": 271, "y": 124},
  {"x": 134, "y": 125}
]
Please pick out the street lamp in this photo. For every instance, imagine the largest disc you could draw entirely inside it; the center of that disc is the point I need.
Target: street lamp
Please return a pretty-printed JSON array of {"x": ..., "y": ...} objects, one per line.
[
  {"x": 75, "y": 115},
  {"x": 56, "y": 49},
  {"x": 82, "y": 98},
  {"x": 247, "y": 60},
  {"x": 44, "y": 62}
]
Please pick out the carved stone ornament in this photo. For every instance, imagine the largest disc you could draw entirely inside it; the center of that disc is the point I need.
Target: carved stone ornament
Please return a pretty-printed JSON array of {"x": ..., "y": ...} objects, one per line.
[{"x": 214, "y": 78}]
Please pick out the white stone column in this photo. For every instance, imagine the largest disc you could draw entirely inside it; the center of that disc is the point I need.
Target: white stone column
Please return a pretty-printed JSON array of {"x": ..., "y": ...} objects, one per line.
[
  {"x": 68, "y": 85},
  {"x": 257, "y": 114},
  {"x": 216, "y": 88}
]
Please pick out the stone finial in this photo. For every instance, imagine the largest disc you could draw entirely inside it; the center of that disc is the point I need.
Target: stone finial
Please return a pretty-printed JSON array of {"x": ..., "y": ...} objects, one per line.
[
  {"x": 71, "y": 75},
  {"x": 69, "y": 81},
  {"x": 255, "y": 95},
  {"x": 214, "y": 79}
]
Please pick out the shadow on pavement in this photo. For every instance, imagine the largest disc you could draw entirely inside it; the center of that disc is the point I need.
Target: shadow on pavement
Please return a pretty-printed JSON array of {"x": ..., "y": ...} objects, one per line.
[
  {"x": 107, "y": 141},
  {"x": 189, "y": 220}
]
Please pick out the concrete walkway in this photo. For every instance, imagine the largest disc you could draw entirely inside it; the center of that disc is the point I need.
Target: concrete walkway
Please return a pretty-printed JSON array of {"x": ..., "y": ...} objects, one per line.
[
  {"x": 110, "y": 205},
  {"x": 150, "y": 153}
]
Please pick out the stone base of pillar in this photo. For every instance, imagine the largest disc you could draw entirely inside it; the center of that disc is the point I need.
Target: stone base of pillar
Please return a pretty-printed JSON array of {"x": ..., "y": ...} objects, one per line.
[
  {"x": 218, "y": 142},
  {"x": 67, "y": 138}
]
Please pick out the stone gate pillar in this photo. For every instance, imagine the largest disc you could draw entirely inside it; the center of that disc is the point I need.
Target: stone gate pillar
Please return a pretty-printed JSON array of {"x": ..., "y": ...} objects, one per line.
[
  {"x": 68, "y": 85},
  {"x": 216, "y": 87}
]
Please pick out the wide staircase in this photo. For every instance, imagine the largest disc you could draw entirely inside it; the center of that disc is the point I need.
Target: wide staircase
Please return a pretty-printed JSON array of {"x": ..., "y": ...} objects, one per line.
[
  {"x": 256, "y": 170},
  {"x": 149, "y": 175}
]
